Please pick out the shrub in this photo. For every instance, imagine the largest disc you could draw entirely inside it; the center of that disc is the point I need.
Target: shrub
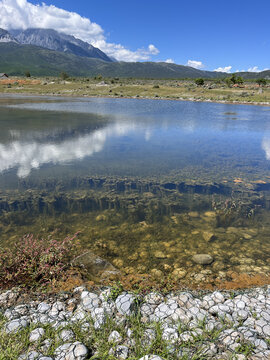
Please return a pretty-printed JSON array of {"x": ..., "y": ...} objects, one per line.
[
  {"x": 64, "y": 75},
  {"x": 35, "y": 261},
  {"x": 199, "y": 82},
  {"x": 27, "y": 74},
  {"x": 261, "y": 82}
]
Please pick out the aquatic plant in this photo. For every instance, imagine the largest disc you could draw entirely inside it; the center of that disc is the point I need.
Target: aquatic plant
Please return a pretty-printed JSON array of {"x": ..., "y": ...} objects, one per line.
[{"x": 35, "y": 260}]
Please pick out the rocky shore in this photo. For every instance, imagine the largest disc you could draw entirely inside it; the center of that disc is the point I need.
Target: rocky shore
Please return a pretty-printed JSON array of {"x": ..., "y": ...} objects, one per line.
[{"x": 106, "y": 323}]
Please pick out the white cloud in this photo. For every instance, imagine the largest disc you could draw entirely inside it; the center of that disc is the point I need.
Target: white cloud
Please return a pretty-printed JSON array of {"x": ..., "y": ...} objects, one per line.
[
  {"x": 256, "y": 69},
  {"x": 226, "y": 69},
  {"x": 153, "y": 50},
  {"x": 169, "y": 61},
  {"x": 20, "y": 14},
  {"x": 195, "y": 64}
]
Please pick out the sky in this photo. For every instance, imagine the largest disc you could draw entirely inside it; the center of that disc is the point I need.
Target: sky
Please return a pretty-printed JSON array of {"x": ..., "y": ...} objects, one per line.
[{"x": 233, "y": 35}]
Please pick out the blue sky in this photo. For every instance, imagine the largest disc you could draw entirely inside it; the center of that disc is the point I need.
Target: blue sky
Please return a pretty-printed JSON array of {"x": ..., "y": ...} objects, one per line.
[{"x": 206, "y": 34}]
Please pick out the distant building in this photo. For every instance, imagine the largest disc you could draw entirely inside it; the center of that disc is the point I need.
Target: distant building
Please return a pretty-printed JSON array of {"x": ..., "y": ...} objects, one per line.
[{"x": 3, "y": 75}]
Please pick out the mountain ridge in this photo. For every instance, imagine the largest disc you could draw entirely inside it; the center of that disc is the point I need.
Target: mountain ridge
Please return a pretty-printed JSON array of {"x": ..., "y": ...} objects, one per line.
[
  {"x": 54, "y": 40},
  {"x": 16, "y": 59},
  {"x": 6, "y": 37}
]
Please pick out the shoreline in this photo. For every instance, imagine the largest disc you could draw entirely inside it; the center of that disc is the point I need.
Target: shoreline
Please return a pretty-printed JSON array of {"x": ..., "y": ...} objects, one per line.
[{"x": 266, "y": 104}]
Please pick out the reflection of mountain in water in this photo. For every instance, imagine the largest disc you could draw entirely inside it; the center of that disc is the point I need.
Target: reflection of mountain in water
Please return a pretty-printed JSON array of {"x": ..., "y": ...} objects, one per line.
[
  {"x": 25, "y": 125},
  {"x": 28, "y": 155}
]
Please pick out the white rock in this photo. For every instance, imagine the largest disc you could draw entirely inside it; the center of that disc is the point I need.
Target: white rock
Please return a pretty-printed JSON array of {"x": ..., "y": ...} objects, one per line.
[
  {"x": 16, "y": 325},
  {"x": 36, "y": 334},
  {"x": 32, "y": 355},
  {"x": 125, "y": 304},
  {"x": 217, "y": 297},
  {"x": 66, "y": 335},
  {"x": 115, "y": 337},
  {"x": 260, "y": 344},
  {"x": 170, "y": 334}
]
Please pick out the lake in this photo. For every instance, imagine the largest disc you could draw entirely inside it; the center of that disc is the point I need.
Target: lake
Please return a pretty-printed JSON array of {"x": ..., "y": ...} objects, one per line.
[{"x": 148, "y": 183}]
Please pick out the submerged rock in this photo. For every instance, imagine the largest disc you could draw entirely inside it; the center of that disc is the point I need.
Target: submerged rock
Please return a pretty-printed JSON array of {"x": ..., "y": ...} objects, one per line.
[
  {"x": 202, "y": 259},
  {"x": 208, "y": 236},
  {"x": 96, "y": 266}
]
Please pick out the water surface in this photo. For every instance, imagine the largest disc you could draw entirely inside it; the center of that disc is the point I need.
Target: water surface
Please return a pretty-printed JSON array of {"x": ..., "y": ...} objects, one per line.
[{"x": 148, "y": 183}]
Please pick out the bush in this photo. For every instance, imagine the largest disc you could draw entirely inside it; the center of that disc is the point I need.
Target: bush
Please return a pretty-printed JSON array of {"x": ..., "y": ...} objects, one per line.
[
  {"x": 27, "y": 74},
  {"x": 35, "y": 261},
  {"x": 261, "y": 82},
  {"x": 64, "y": 75},
  {"x": 199, "y": 82}
]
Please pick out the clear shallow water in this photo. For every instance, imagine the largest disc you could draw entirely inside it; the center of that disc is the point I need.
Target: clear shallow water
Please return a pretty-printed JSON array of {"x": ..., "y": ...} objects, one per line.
[{"x": 140, "y": 176}]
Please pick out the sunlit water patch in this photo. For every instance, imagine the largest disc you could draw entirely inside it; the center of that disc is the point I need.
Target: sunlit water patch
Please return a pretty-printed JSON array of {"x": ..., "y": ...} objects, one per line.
[{"x": 148, "y": 183}]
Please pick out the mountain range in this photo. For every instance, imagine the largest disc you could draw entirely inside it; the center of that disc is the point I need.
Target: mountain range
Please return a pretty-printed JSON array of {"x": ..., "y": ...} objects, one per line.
[
  {"x": 53, "y": 40},
  {"x": 46, "y": 52}
]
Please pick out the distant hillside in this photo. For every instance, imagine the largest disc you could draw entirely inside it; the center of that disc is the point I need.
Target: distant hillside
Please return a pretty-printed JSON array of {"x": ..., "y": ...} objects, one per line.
[
  {"x": 53, "y": 40},
  {"x": 255, "y": 75},
  {"x": 15, "y": 59}
]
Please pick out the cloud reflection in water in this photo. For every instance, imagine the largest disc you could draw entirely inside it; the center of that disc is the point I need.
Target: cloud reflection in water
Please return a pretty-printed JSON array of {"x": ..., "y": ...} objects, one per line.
[{"x": 31, "y": 155}]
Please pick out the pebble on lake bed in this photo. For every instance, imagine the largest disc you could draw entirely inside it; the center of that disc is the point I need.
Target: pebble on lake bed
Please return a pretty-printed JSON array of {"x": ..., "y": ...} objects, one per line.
[{"x": 202, "y": 259}]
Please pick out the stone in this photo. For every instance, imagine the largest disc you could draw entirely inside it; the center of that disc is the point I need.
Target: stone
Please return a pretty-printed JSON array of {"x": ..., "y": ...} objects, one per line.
[
  {"x": 148, "y": 337},
  {"x": 115, "y": 337},
  {"x": 45, "y": 346},
  {"x": 66, "y": 335},
  {"x": 170, "y": 334},
  {"x": 153, "y": 298},
  {"x": 202, "y": 259},
  {"x": 69, "y": 351},
  {"x": 208, "y": 236},
  {"x": 89, "y": 301},
  {"x": 120, "y": 352},
  {"x": 186, "y": 336},
  {"x": 16, "y": 325},
  {"x": 156, "y": 273},
  {"x": 126, "y": 304},
  {"x": 178, "y": 273},
  {"x": 95, "y": 265},
  {"x": 260, "y": 344},
  {"x": 160, "y": 255},
  {"x": 165, "y": 310},
  {"x": 32, "y": 355},
  {"x": 209, "y": 349},
  {"x": 217, "y": 297},
  {"x": 36, "y": 334}
]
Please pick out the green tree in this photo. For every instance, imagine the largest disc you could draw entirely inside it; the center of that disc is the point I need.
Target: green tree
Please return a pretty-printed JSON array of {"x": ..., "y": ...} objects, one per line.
[
  {"x": 261, "y": 82},
  {"x": 239, "y": 80},
  {"x": 98, "y": 77},
  {"x": 199, "y": 82},
  {"x": 64, "y": 75},
  {"x": 27, "y": 74},
  {"x": 228, "y": 82},
  {"x": 232, "y": 80}
]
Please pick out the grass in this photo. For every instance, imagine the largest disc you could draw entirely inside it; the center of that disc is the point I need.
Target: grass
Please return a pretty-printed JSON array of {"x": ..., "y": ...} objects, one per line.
[
  {"x": 134, "y": 88},
  {"x": 13, "y": 345}
]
